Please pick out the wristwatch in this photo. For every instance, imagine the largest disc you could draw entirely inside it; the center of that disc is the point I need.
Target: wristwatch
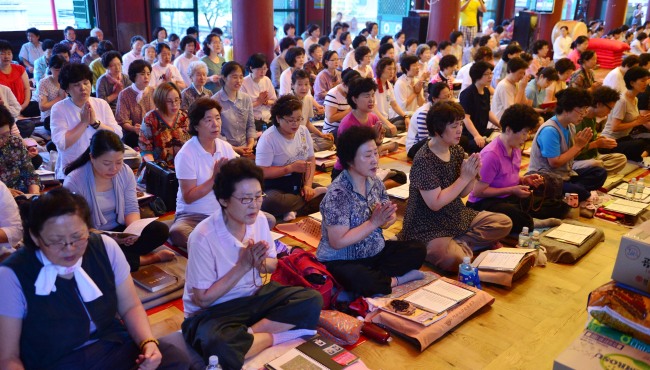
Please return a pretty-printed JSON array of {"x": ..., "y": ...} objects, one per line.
[{"x": 96, "y": 124}]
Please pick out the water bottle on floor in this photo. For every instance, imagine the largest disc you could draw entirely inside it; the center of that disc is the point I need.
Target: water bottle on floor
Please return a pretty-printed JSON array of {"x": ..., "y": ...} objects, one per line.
[
  {"x": 213, "y": 363},
  {"x": 468, "y": 274},
  {"x": 523, "y": 238},
  {"x": 631, "y": 189},
  {"x": 534, "y": 241},
  {"x": 640, "y": 186}
]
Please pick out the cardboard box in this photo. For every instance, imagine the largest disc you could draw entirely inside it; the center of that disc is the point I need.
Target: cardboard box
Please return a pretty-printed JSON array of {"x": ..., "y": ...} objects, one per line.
[
  {"x": 592, "y": 351},
  {"x": 632, "y": 265}
]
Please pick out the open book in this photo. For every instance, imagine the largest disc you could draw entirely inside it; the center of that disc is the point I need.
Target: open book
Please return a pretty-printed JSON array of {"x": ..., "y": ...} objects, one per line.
[
  {"x": 628, "y": 207},
  {"x": 324, "y": 154},
  {"x": 135, "y": 228},
  {"x": 438, "y": 296},
  {"x": 621, "y": 192},
  {"x": 503, "y": 259},
  {"x": 317, "y": 353},
  {"x": 399, "y": 192},
  {"x": 572, "y": 234},
  {"x": 307, "y": 230}
]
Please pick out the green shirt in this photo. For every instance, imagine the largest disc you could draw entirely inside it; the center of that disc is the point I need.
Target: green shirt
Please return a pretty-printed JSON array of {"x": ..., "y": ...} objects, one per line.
[{"x": 587, "y": 153}]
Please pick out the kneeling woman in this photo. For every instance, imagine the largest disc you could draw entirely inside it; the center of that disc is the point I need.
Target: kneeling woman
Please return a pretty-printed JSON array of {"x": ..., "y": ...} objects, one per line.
[
  {"x": 440, "y": 177},
  {"x": 108, "y": 185},
  {"x": 229, "y": 310},
  {"x": 501, "y": 189},
  {"x": 286, "y": 154},
  {"x": 355, "y": 210},
  {"x": 61, "y": 293}
]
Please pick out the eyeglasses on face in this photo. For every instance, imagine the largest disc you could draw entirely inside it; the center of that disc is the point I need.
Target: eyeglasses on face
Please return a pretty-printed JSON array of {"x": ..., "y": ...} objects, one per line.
[
  {"x": 292, "y": 120},
  {"x": 249, "y": 200},
  {"x": 59, "y": 246},
  {"x": 176, "y": 101}
]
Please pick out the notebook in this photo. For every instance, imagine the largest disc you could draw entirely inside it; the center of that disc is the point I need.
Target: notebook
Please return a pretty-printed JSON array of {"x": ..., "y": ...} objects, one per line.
[
  {"x": 438, "y": 296},
  {"x": 572, "y": 234}
]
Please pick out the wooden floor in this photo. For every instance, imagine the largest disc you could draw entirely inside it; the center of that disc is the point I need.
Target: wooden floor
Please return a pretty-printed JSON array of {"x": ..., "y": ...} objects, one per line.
[{"x": 526, "y": 327}]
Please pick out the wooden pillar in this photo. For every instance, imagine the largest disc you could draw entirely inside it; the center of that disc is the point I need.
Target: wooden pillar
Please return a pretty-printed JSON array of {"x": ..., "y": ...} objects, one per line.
[
  {"x": 252, "y": 30},
  {"x": 508, "y": 9},
  {"x": 592, "y": 9},
  {"x": 615, "y": 14},
  {"x": 444, "y": 17},
  {"x": 548, "y": 20}
]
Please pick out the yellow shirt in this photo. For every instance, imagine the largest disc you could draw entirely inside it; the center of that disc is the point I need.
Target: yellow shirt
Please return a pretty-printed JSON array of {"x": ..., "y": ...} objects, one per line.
[{"x": 469, "y": 15}]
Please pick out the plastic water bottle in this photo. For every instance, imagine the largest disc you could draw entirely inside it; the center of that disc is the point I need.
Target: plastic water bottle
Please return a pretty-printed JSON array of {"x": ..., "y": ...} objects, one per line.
[
  {"x": 213, "y": 363},
  {"x": 466, "y": 273},
  {"x": 534, "y": 242},
  {"x": 524, "y": 238},
  {"x": 640, "y": 186},
  {"x": 263, "y": 126},
  {"x": 631, "y": 188}
]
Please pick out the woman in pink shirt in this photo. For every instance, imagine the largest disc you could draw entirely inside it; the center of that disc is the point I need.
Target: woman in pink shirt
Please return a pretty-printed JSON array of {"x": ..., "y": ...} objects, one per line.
[
  {"x": 501, "y": 189},
  {"x": 578, "y": 47}
]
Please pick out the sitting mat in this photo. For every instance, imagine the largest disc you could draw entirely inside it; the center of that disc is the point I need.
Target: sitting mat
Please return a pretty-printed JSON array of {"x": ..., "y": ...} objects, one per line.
[{"x": 560, "y": 252}]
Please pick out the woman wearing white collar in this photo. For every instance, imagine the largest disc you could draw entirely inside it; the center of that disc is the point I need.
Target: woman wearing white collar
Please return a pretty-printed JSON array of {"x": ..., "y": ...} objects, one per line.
[{"x": 74, "y": 283}]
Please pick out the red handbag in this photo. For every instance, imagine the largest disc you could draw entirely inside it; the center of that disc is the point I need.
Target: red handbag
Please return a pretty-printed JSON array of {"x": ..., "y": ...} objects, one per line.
[{"x": 301, "y": 268}]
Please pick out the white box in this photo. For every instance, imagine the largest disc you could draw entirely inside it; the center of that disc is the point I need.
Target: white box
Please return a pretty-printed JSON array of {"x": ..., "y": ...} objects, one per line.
[
  {"x": 593, "y": 351},
  {"x": 632, "y": 265}
]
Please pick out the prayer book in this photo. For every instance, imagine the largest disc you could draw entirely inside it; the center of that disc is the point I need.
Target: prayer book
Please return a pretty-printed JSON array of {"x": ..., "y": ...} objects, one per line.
[
  {"x": 317, "y": 353},
  {"x": 153, "y": 278},
  {"x": 504, "y": 259},
  {"x": 628, "y": 207},
  {"x": 572, "y": 234},
  {"x": 324, "y": 154},
  {"x": 438, "y": 296},
  {"x": 399, "y": 192}
]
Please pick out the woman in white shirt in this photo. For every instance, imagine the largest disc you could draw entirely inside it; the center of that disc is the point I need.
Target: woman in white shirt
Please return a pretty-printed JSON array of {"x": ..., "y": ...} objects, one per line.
[
  {"x": 164, "y": 70},
  {"x": 197, "y": 165},
  {"x": 386, "y": 108},
  {"x": 286, "y": 154},
  {"x": 137, "y": 43},
  {"x": 260, "y": 88},
  {"x": 182, "y": 62},
  {"x": 363, "y": 56},
  {"x": 74, "y": 120},
  {"x": 562, "y": 44}
]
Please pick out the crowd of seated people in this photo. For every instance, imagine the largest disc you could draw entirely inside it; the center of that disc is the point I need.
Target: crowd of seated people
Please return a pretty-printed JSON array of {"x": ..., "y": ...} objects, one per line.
[{"x": 242, "y": 141}]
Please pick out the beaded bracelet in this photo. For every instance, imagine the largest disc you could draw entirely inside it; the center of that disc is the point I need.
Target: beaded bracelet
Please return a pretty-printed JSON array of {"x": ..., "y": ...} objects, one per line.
[{"x": 150, "y": 340}]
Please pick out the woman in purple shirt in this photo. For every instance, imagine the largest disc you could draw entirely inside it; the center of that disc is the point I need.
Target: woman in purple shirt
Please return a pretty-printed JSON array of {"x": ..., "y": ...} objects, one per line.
[{"x": 501, "y": 189}]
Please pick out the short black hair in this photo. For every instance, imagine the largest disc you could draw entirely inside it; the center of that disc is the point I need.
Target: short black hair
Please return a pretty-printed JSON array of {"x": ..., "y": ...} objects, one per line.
[
  {"x": 61, "y": 48},
  {"x": 360, "y": 86},
  {"x": 191, "y": 30},
  {"x": 47, "y": 44},
  {"x": 287, "y": 27},
  {"x": 443, "y": 45},
  {"x": 483, "y": 53},
  {"x": 434, "y": 90},
  {"x": 230, "y": 67},
  {"x": 578, "y": 41},
  {"x": 516, "y": 64},
  {"x": 410, "y": 42},
  {"x": 285, "y": 106},
  {"x": 73, "y": 73},
  {"x": 299, "y": 74},
  {"x": 323, "y": 40},
  {"x": 106, "y": 45},
  {"x": 519, "y": 117},
  {"x": 563, "y": 65},
  {"x": 313, "y": 47},
  {"x": 633, "y": 74},
  {"x": 572, "y": 98},
  {"x": 5, "y": 45},
  {"x": 382, "y": 64},
  {"x": 478, "y": 69},
  {"x": 56, "y": 61},
  {"x": 604, "y": 95},
  {"x": 348, "y": 75},
  {"x": 108, "y": 57},
  {"x": 358, "y": 40},
  {"x": 641, "y": 36},
  {"x": 383, "y": 49},
  {"x": 65, "y": 30},
  {"x": 91, "y": 40},
  {"x": 233, "y": 172},
  {"x": 399, "y": 33},
  {"x": 292, "y": 54},
  {"x": 137, "y": 66},
  {"x": 312, "y": 28},
  {"x": 173, "y": 37},
  {"x": 548, "y": 73},
  {"x": 196, "y": 112},
  {"x": 257, "y": 60},
  {"x": 34, "y": 31},
  {"x": 328, "y": 55},
  {"x": 585, "y": 56},
  {"x": 448, "y": 61},
  {"x": 510, "y": 49},
  {"x": 407, "y": 61},
  {"x": 385, "y": 40},
  {"x": 137, "y": 38},
  {"x": 630, "y": 61},
  {"x": 361, "y": 52},
  {"x": 453, "y": 37},
  {"x": 484, "y": 40},
  {"x": 343, "y": 36},
  {"x": 162, "y": 46},
  {"x": 644, "y": 59},
  {"x": 187, "y": 40},
  {"x": 441, "y": 114},
  {"x": 287, "y": 43},
  {"x": 349, "y": 142},
  {"x": 538, "y": 45},
  {"x": 6, "y": 119}
]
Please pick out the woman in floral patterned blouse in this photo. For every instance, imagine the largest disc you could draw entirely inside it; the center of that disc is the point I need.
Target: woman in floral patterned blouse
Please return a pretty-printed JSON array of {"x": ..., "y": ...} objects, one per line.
[
  {"x": 16, "y": 169},
  {"x": 164, "y": 129}
]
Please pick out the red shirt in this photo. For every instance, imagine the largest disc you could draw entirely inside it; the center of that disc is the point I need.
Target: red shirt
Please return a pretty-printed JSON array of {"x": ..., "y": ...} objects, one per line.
[{"x": 14, "y": 82}]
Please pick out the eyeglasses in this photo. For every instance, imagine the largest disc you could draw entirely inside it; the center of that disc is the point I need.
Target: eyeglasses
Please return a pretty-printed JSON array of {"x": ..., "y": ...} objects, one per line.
[
  {"x": 610, "y": 108},
  {"x": 174, "y": 102},
  {"x": 59, "y": 246},
  {"x": 292, "y": 121},
  {"x": 249, "y": 200}
]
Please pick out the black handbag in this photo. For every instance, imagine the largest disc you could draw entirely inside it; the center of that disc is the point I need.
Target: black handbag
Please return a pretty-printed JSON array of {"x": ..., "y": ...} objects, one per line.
[{"x": 162, "y": 182}]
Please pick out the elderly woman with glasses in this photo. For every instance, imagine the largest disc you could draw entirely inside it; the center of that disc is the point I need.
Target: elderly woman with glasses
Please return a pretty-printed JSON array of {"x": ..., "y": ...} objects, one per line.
[
  {"x": 286, "y": 154},
  {"x": 164, "y": 130},
  {"x": 69, "y": 280},
  {"x": 229, "y": 310}
]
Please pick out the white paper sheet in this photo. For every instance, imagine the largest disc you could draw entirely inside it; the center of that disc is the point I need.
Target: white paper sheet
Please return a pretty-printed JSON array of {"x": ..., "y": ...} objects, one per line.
[{"x": 136, "y": 227}]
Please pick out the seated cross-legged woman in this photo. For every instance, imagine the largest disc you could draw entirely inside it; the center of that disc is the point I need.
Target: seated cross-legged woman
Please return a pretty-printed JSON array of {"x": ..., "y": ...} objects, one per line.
[
  {"x": 229, "y": 311},
  {"x": 355, "y": 209},
  {"x": 108, "y": 185},
  {"x": 501, "y": 189},
  {"x": 440, "y": 177},
  {"x": 286, "y": 154}
]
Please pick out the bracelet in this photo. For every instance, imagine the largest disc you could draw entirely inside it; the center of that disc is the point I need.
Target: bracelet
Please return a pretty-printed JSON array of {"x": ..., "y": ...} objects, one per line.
[
  {"x": 150, "y": 340},
  {"x": 96, "y": 124}
]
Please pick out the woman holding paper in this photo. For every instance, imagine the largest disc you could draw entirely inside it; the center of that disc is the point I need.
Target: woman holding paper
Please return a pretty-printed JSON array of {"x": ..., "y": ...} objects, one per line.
[
  {"x": 500, "y": 188},
  {"x": 102, "y": 178}
]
